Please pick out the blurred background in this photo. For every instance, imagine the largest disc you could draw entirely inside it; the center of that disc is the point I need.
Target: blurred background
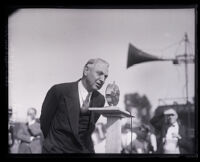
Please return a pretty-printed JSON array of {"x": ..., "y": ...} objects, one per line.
[{"x": 51, "y": 46}]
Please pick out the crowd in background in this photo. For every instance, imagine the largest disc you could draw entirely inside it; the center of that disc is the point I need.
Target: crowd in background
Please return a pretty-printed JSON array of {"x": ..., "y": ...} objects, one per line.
[
  {"x": 27, "y": 137},
  {"x": 163, "y": 134}
]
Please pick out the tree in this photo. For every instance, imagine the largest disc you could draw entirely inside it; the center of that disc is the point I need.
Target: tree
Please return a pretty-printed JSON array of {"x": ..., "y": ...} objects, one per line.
[{"x": 141, "y": 103}]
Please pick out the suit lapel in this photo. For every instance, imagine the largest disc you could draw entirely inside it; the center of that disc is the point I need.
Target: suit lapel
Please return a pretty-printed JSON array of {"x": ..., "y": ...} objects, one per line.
[
  {"x": 93, "y": 103},
  {"x": 73, "y": 107}
]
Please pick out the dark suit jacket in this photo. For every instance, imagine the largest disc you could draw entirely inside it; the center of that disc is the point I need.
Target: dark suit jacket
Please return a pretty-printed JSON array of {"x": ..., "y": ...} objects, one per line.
[
  {"x": 60, "y": 119},
  {"x": 24, "y": 134}
]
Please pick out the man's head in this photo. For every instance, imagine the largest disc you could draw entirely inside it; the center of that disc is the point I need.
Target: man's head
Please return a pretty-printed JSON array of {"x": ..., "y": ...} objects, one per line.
[
  {"x": 143, "y": 131},
  {"x": 31, "y": 113},
  {"x": 171, "y": 116},
  {"x": 95, "y": 73}
]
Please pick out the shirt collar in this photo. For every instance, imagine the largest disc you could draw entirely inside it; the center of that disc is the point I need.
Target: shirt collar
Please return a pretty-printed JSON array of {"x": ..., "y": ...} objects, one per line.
[
  {"x": 83, "y": 91},
  {"x": 174, "y": 124},
  {"x": 82, "y": 88}
]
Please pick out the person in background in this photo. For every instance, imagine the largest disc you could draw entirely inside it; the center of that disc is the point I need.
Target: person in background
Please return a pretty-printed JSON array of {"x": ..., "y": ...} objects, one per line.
[
  {"x": 151, "y": 137},
  {"x": 99, "y": 138},
  {"x": 30, "y": 134},
  {"x": 171, "y": 136},
  {"x": 141, "y": 145},
  {"x": 126, "y": 137},
  {"x": 11, "y": 139}
]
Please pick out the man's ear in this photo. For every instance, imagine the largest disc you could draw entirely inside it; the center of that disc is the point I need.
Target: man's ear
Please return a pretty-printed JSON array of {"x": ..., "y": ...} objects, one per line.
[{"x": 85, "y": 71}]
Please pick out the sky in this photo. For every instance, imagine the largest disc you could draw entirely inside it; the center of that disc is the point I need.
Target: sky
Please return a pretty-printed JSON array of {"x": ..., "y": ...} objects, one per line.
[{"x": 51, "y": 46}]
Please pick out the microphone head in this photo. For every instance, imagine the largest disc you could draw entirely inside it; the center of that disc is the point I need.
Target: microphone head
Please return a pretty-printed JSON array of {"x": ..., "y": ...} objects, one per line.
[{"x": 112, "y": 94}]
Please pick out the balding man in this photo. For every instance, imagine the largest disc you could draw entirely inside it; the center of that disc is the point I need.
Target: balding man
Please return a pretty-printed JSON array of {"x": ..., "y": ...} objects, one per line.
[{"x": 66, "y": 123}]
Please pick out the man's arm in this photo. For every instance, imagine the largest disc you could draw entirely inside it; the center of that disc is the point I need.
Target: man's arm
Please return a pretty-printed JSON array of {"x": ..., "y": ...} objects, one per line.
[
  {"x": 21, "y": 135},
  {"x": 184, "y": 141},
  {"x": 48, "y": 111},
  {"x": 35, "y": 129},
  {"x": 103, "y": 102}
]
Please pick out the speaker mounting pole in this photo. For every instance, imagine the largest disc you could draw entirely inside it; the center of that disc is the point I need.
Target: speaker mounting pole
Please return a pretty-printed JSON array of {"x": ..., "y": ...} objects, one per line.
[{"x": 186, "y": 65}]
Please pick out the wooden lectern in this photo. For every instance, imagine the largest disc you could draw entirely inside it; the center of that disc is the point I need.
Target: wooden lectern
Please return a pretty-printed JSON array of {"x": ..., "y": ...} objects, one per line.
[{"x": 113, "y": 132}]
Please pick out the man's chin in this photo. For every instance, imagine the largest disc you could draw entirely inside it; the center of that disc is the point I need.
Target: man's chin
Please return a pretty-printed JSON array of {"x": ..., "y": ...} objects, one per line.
[{"x": 97, "y": 87}]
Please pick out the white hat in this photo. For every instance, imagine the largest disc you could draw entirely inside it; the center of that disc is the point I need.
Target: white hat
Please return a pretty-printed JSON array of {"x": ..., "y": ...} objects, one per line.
[{"x": 170, "y": 111}]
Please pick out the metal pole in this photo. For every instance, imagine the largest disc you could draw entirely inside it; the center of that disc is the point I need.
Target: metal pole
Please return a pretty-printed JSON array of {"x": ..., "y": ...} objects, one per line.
[
  {"x": 186, "y": 76},
  {"x": 131, "y": 134},
  {"x": 186, "y": 66}
]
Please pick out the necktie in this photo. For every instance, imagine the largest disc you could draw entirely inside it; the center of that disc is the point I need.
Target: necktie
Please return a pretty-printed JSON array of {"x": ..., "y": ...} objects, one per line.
[{"x": 86, "y": 103}]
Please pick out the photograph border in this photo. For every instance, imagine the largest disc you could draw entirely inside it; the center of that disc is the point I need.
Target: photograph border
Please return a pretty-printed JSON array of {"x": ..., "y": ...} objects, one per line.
[{"x": 9, "y": 9}]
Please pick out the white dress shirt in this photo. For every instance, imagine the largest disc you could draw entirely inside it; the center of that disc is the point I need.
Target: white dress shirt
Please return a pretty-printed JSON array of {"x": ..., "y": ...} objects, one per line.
[
  {"x": 82, "y": 93},
  {"x": 31, "y": 122},
  {"x": 170, "y": 141}
]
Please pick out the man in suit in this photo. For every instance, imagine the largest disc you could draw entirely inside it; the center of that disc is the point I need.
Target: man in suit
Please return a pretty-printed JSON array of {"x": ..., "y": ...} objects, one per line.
[
  {"x": 171, "y": 137},
  {"x": 30, "y": 134},
  {"x": 66, "y": 123}
]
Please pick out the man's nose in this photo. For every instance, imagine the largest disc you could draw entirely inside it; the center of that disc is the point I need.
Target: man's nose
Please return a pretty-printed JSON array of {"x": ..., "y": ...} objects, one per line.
[{"x": 102, "y": 78}]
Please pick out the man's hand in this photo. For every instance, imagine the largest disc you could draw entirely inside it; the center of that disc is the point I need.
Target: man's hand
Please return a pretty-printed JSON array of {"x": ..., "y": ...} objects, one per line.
[
  {"x": 174, "y": 135},
  {"x": 32, "y": 138}
]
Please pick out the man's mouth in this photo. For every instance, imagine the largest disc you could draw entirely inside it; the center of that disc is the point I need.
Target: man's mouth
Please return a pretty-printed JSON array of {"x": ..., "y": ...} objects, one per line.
[{"x": 99, "y": 85}]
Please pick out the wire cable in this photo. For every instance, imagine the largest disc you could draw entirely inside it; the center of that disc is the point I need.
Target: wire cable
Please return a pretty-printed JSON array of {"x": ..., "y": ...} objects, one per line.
[{"x": 169, "y": 46}]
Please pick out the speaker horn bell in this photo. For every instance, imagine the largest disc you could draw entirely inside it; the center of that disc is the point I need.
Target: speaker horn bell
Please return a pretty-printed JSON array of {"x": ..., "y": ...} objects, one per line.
[{"x": 136, "y": 56}]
